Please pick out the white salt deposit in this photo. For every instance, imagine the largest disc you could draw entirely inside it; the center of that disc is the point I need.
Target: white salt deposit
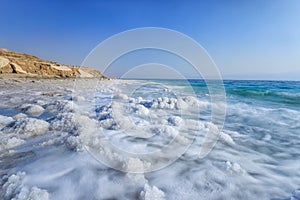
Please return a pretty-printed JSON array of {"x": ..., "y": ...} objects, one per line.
[
  {"x": 19, "y": 115},
  {"x": 4, "y": 120},
  {"x": 34, "y": 110},
  {"x": 16, "y": 190},
  {"x": 141, "y": 110},
  {"x": 165, "y": 103},
  {"x": 152, "y": 193},
  {"x": 27, "y": 127},
  {"x": 10, "y": 142},
  {"x": 79, "y": 98},
  {"x": 250, "y": 161},
  {"x": 33, "y": 194},
  {"x": 175, "y": 120},
  {"x": 74, "y": 143}
]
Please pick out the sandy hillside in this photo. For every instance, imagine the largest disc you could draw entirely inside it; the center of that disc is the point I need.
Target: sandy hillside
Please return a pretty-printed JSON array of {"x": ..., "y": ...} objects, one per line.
[{"x": 25, "y": 65}]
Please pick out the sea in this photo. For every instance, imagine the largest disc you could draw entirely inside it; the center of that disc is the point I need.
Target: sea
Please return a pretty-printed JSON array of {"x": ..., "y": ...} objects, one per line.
[{"x": 149, "y": 139}]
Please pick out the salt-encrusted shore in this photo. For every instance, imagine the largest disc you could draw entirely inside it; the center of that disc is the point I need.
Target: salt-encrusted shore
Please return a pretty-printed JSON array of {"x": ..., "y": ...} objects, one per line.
[{"x": 54, "y": 134}]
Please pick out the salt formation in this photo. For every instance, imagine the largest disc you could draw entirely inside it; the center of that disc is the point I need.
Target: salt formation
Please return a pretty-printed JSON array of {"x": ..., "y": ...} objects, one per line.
[
  {"x": 152, "y": 193},
  {"x": 35, "y": 110},
  {"x": 15, "y": 189},
  {"x": 4, "y": 120},
  {"x": 79, "y": 98},
  {"x": 27, "y": 127}
]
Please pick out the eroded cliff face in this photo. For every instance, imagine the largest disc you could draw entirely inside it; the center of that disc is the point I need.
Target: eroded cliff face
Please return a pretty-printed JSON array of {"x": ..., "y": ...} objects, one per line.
[{"x": 29, "y": 65}]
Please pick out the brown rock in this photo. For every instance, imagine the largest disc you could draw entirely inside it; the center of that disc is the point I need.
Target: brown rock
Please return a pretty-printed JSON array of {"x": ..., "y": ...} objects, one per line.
[{"x": 29, "y": 65}]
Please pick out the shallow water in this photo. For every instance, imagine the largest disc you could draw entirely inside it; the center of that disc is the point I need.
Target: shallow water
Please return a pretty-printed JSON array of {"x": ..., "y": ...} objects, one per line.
[{"x": 126, "y": 125}]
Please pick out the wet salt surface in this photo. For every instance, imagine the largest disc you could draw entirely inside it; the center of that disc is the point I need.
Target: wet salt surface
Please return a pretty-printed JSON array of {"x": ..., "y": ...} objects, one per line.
[{"x": 44, "y": 157}]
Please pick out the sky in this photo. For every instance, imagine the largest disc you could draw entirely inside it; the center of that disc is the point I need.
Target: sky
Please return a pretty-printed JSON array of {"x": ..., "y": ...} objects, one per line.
[{"x": 255, "y": 39}]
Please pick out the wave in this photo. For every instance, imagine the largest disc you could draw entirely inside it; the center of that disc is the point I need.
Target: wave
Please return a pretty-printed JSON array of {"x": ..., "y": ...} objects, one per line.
[{"x": 268, "y": 95}]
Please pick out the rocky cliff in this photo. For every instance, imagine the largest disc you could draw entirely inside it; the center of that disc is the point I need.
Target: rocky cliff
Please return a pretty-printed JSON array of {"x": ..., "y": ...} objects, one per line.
[{"x": 31, "y": 66}]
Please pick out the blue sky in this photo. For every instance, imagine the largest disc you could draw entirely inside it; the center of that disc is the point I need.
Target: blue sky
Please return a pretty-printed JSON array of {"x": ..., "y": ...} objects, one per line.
[{"x": 257, "y": 39}]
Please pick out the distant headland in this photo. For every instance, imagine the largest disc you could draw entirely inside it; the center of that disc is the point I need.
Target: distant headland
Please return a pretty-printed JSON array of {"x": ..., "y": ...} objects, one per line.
[{"x": 25, "y": 65}]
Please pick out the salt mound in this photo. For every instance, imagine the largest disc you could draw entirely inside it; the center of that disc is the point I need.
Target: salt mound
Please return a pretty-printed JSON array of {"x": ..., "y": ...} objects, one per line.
[
  {"x": 65, "y": 122},
  {"x": 34, "y": 194},
  {"x": 79, "y": 128},
  {"x": 14, "y": 188},
  {"x": 35, "y": 110},
  {"x": 19, "y": 116},
  {"x": 174, "y": 120},
  {"x": 141, "y": 110},
  {"x": 112, "y": 116},
  {"x": 152, "y": 193},
  {"x": 74, "y": 143},
  {"x": 61, "y": 106},
  {"x": 78, "y": 98},
  {"x": 165, "y": 103},
  {"x": 27, "y": 127},
  {"x": 10, "y": 142},
  {"x": 4, "y": 120},
  {"x": 13, "y": 185}
]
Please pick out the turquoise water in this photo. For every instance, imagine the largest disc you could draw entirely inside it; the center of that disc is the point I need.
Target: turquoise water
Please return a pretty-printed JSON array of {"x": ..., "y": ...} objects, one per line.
[
  {"x": 276, "y": 93},
  {"x": 285, "y": 93}
]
